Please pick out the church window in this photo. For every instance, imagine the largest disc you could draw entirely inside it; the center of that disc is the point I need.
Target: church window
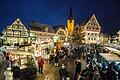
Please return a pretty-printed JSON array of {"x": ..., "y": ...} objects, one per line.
[{"x": 92, "y": 34}]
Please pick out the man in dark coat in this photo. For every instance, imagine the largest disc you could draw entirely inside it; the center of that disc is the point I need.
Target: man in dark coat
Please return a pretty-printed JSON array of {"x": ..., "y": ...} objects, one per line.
[
  {"x": 16, "y": 73},
  {"x": 63, "y": 73},
  {"x": 56, "y": 58},
  {"x": 78, "y": 68}
]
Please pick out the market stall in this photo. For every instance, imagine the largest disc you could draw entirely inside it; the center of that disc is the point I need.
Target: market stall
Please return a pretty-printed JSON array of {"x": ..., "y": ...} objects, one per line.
[
  {"x": 19, "y": 57},
  {"x": 110, "y": 57}
]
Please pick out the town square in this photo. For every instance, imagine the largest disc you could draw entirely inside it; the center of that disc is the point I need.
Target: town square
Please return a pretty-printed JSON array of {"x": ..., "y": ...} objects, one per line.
[{"x": 59, "y": 40}]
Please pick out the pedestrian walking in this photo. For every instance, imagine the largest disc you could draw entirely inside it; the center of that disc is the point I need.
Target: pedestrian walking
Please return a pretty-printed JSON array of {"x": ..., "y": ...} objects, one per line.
[
  {"x": 56, "y": 58},
  {"x": 63, "y": 73},
  {"x": 64, "y": 59},
  {"x": 96, "y": 74},
  {"x": 78, "y": 68},
  {"x": 40, "y": 65},
  {"x": 16, "y": 72},
  {"x": 84, "y": 74},
  {"x": 51, "y": 61}
]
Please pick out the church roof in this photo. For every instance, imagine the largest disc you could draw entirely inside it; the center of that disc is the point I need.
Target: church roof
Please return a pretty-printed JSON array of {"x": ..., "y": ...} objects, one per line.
[{"x": 70, "y": 14}]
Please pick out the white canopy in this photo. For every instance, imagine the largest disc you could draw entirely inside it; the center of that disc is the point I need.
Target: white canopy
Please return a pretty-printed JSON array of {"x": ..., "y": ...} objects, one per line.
[
  {"x": 19, "y": 52},
  {"x": 113, "y": 49},
  {"x": 110, "y": 57}
]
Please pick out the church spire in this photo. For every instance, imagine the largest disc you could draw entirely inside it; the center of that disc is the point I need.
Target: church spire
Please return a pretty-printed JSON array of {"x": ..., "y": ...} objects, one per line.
[{"x": 70, "y": 14}]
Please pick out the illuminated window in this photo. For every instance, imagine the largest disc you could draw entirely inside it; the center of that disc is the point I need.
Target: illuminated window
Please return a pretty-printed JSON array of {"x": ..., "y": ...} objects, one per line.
[
  {"x": 91, "y": 38},
  {"x": 94, "y": 38}
]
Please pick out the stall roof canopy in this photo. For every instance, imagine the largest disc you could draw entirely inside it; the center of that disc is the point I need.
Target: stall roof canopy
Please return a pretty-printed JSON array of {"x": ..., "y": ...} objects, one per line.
[
  {"x": 113, "y": 50},
  {"x": 110, "y": 57},
  {"x": 19, "y": 52}
]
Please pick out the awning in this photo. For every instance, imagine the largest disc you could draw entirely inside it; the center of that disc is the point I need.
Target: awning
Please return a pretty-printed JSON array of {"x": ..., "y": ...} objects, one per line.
[
  {"x": 19, "y": 52},
  {"x": 110, "y": 57},
  {"x": 113, "y": 49}
]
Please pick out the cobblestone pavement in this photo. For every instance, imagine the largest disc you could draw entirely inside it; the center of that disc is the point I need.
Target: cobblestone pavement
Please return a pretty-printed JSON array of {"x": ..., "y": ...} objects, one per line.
[
  {"x": 49, "y": 71},
  {"x": 52, "y": 72}
]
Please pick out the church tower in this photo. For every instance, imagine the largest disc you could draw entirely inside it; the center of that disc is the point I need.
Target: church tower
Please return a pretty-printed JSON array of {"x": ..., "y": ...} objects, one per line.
[{"x": 70, "y": 22}]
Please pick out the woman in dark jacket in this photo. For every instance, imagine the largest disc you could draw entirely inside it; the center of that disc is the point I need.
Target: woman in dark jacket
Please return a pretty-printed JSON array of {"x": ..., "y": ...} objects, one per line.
[
  {"x": 78, "y": 68},
  {"x": 63, "y": 73},
  {"x": 56, "y": 58},
  {"x": 16, "y": 73}
]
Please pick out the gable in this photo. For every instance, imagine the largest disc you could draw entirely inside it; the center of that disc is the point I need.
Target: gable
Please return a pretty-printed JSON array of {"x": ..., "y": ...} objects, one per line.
[
  {"x": 61, "y": 32},
  {"x": 17, "y": 25},
  {"x": 118, "y": 32},
  {"x": 93, "y": 22}
]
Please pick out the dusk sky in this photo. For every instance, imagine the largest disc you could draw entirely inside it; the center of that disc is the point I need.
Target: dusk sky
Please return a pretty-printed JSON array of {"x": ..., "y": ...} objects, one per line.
[{"x": 55, "y": 12}]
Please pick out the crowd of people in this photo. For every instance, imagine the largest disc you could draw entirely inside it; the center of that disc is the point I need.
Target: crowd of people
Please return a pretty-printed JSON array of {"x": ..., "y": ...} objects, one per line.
[{"x": 91, "y": 71}]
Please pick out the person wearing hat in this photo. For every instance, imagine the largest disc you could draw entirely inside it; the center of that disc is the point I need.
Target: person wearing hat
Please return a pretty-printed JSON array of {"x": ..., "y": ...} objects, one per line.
[
  {"x": 63, "y": 73},
  {"x": 78, "y": 68}
]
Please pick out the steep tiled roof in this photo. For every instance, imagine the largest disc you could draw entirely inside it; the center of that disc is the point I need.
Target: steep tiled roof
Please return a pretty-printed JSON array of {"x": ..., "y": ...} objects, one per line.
[
  {"x": 59, "y": 26},
  {"x": 84, "y": 22},
  {"x": 40, "y": 27}
]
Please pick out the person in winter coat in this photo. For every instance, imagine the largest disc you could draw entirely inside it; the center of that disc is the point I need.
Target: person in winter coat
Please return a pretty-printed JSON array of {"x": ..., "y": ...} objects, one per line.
[
  {"x": 56, "y": 58},
  {"x": 63, "y": 73},
  {"x": 40, "y": 65},
  {"x": 16, "y": 73},
  {"x": 51, "y": 59},
  {"x": 78, "y": 68},
  {"x": 96, "y": 74}
]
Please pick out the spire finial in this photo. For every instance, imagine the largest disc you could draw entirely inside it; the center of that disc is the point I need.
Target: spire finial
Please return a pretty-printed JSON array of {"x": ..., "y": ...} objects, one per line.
[{"x": 70, "y": 13}]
